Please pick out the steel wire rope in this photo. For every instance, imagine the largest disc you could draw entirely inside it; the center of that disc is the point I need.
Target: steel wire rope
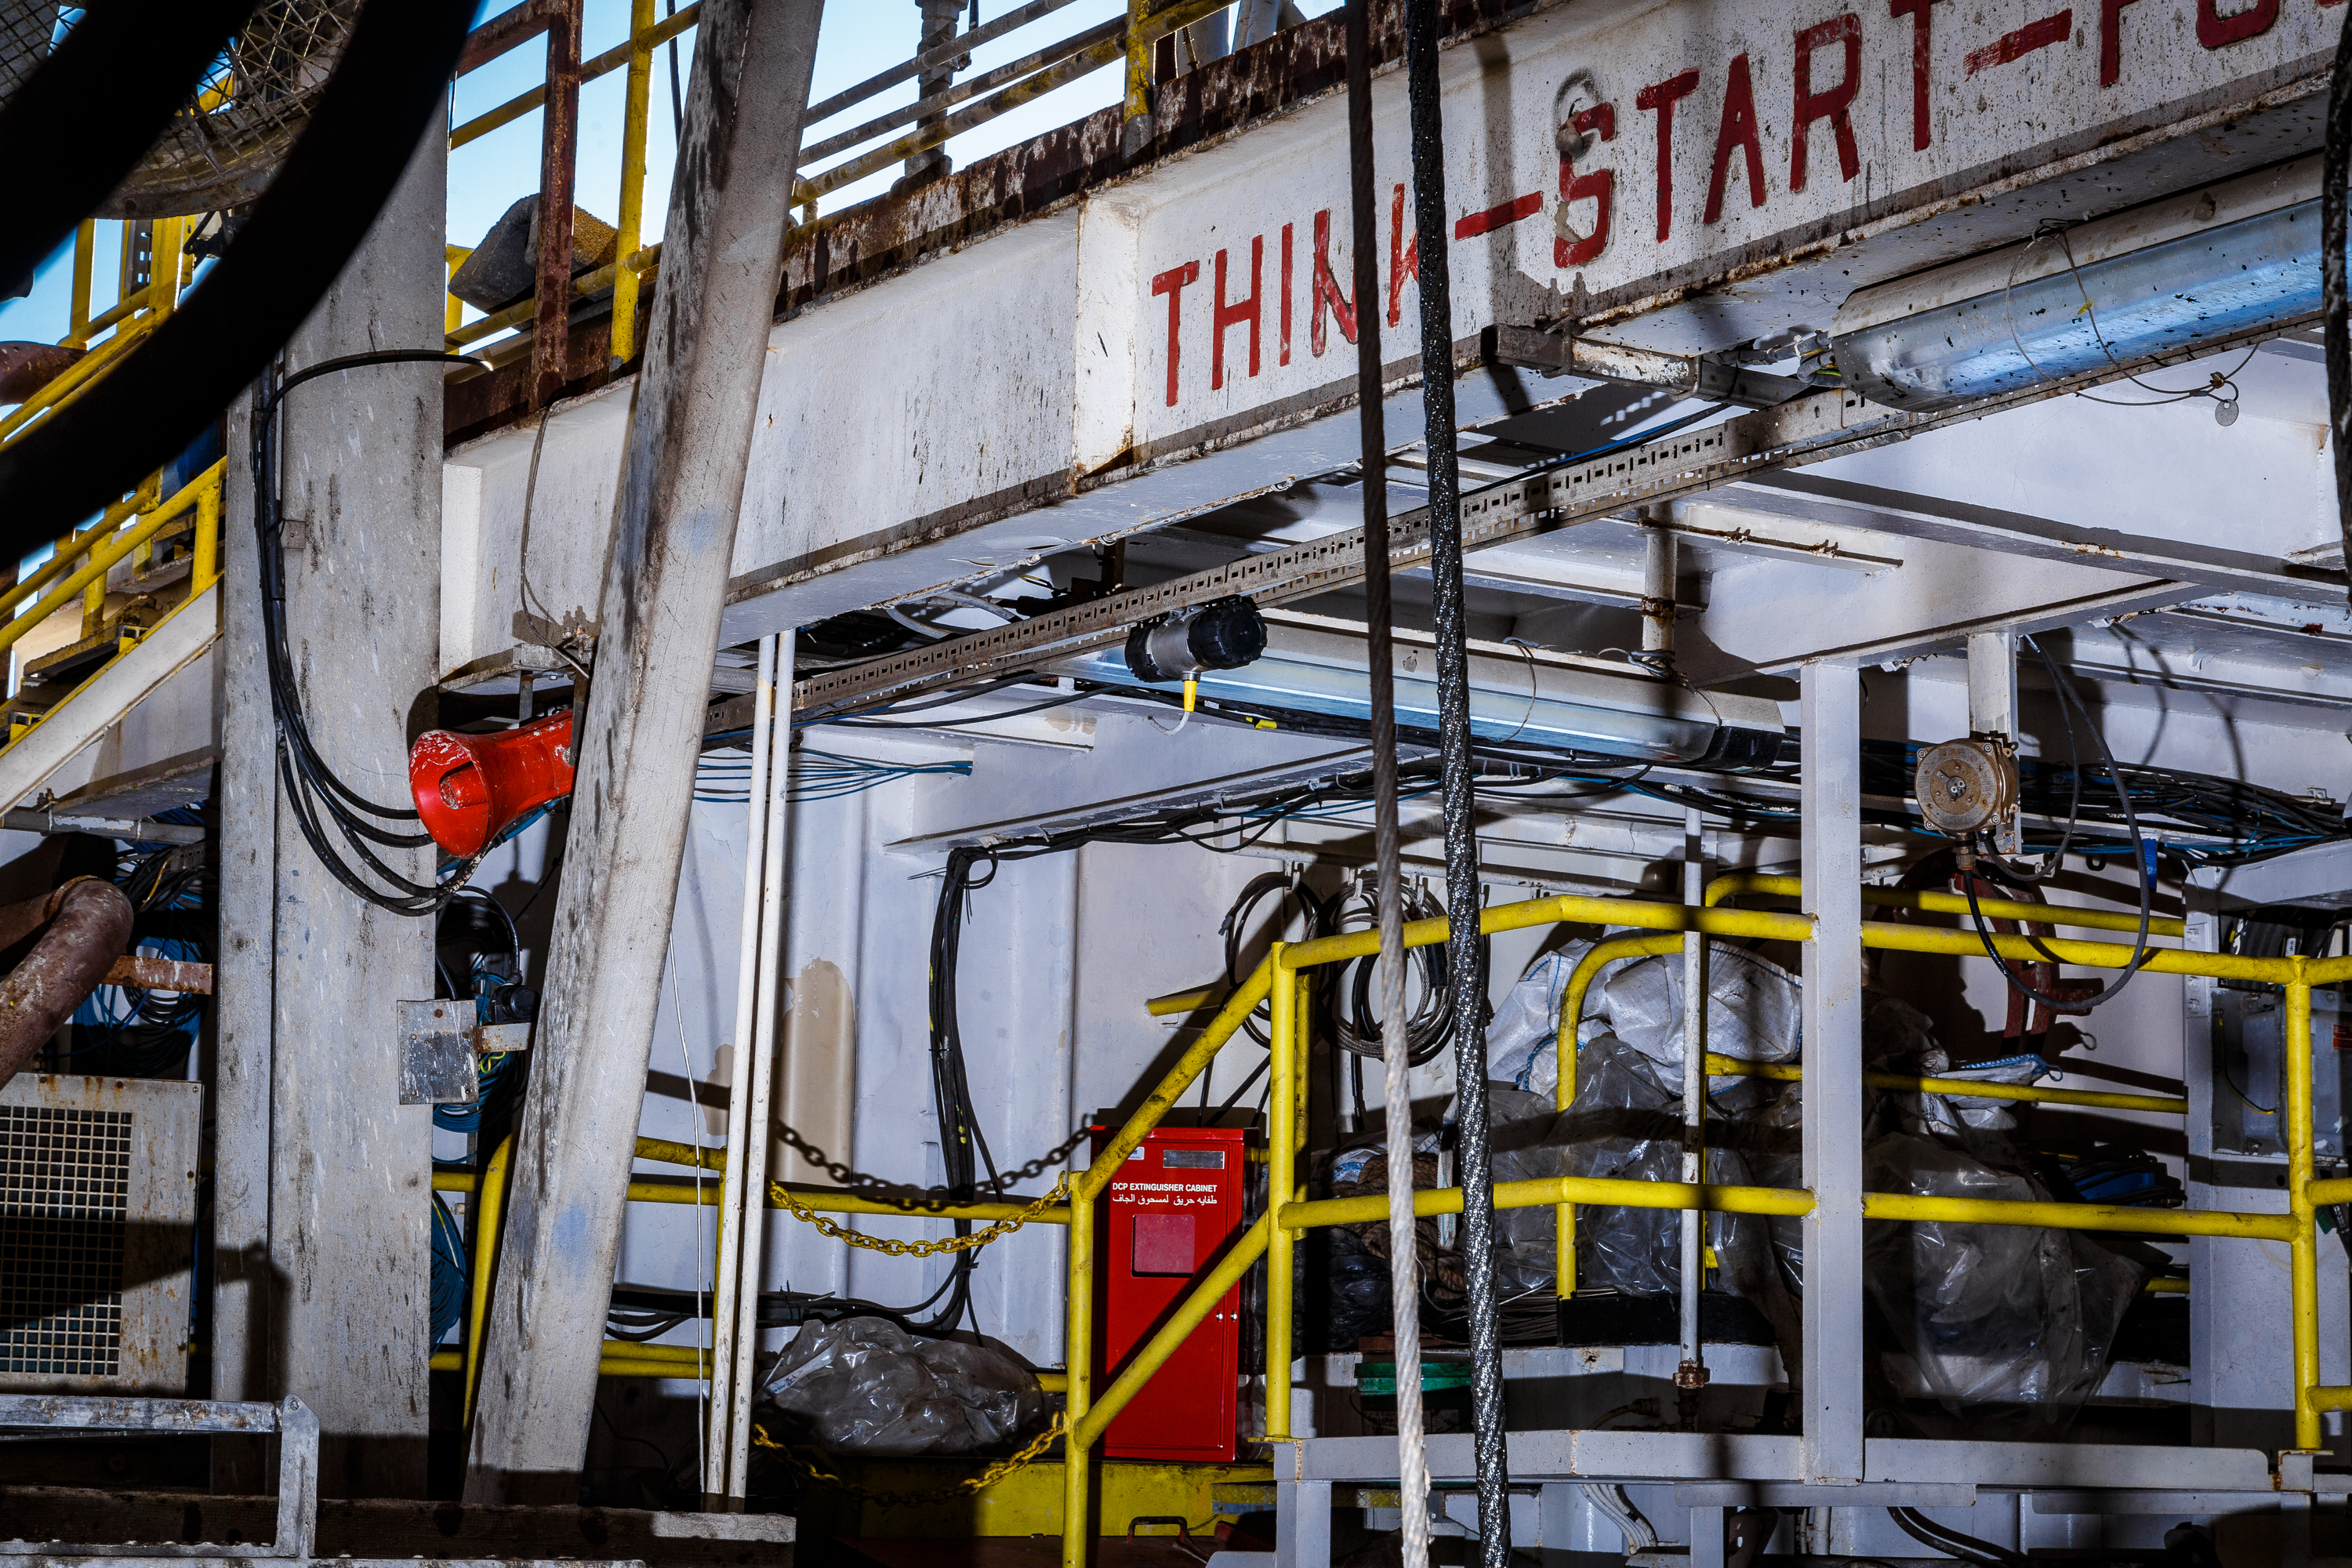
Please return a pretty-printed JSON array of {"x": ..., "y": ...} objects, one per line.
[
  {"x": 1396, "y": 1049},
  {"x": 1434, "y": 225}
]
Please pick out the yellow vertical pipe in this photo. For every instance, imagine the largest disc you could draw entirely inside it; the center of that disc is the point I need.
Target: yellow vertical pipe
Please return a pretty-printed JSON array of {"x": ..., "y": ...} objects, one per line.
[
  {"x": 85, "y": 259},
  {"x": 1571, "y": 1007},
  {"x": 1138, "y": 66},
  {"x": 488, "y": 1204},
  {"x": 1281, "y": 1185},
  {"x": 163, "y": 267},
  {"x": 1078, "y": 1351},
  {"x": 636, "y": 101},
  {"x": 205, "y": 548},
  {"x": 2304, "y": 1269}
]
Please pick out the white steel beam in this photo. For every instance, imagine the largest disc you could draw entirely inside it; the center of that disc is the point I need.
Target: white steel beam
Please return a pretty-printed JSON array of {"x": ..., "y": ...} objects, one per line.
[{"x": 1831, "y": 806}]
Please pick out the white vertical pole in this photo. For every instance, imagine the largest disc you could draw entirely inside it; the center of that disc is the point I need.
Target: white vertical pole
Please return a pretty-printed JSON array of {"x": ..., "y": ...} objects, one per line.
[
  {"x": 723, "y": 1314},
  {"x": 753, "y": 1252},
  {"x": 1691, "y": 1375},
  {"x": 1831, "y": 803}
]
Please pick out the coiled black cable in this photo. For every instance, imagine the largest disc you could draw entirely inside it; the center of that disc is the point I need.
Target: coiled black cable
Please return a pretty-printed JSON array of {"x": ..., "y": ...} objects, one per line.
[
  {"x": 1234, "y": 928},
  {"x": 1355, "y": 1026}
]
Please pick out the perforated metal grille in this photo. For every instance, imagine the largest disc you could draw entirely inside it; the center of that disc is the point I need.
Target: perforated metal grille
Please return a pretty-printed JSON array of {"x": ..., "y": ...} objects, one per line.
[{"x": 64, "y": 1192}]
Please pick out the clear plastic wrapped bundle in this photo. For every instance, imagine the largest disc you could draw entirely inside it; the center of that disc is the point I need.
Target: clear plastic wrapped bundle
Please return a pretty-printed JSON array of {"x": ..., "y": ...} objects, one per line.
[
  {"x": 2010, "y": 1323},
  {"x": 865, "y": 1385}
]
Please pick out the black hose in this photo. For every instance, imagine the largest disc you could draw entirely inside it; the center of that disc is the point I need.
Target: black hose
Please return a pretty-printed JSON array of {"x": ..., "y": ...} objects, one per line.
[
  {"x": 390, "y": 85},
  {"x": 1433, "y": 226},
  {"x": 72, "y": 132},
  {"x": 1966, "y": 1548},
  {"x": 2335, "y": 321}
]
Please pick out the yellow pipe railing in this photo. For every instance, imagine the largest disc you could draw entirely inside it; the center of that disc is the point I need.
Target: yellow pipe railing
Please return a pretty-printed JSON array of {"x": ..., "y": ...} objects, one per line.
[
  {"x": 1280, "y": 974},
  {"x": 1733, "y": 884},
  {"x": 2094, "y": 1099},
  {"x": 101, "y": 558}
]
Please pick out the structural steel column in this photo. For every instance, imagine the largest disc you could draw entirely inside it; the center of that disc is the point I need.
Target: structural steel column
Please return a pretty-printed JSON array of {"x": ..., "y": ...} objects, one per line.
[
  {"x": 245, "y": 808},
  {"x": 349, "y": 1201},
  {"x": 639, "y": 734},
  {"x": 1831, "y": 802}
]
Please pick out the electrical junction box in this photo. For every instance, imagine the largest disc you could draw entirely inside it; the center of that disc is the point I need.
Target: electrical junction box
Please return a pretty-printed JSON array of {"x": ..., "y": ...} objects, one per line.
[
  {"x": 2249, "y": 1065},
  {"x": 1165, "y": 1219}
]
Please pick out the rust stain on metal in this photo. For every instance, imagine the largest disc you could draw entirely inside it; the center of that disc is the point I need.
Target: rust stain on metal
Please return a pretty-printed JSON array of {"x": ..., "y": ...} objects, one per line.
[
  {"x": 875, "y": 239},
  {"x": 558, "y": 144}
]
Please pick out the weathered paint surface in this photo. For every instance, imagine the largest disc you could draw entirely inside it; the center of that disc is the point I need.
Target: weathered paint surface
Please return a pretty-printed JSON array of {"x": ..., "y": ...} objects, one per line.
[{"x": 1036, "y": 332}]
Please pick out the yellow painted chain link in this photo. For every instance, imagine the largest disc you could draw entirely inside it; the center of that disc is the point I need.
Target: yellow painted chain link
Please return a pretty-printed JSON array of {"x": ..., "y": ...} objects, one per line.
[
  {"x": 966, "y": 1487},
  {"x": 782, "y": 1196}
]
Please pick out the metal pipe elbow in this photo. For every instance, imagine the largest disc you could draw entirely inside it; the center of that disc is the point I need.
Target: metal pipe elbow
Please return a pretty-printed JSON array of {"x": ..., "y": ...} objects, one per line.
[{"x": 83, "y": 927}]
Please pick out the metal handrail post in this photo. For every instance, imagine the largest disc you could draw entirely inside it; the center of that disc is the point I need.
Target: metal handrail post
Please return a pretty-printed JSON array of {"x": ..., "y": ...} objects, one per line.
[
  {"x": 85, "y": 259},
  {"x": 1281, "y": 1181},
  {"x": 1136, "y": 105},
  {"x": 637, "y": 100},
  {"x": 1078, "y": 1354},
  {"x": 2303, "y": 1243},
  {"x": 487, "y": 1210}
]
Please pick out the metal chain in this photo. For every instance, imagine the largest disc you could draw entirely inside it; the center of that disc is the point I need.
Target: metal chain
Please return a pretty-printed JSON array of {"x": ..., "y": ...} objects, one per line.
[
  {"x": 780, "y": 1194},
  {"x": 965, "y": 1488}
]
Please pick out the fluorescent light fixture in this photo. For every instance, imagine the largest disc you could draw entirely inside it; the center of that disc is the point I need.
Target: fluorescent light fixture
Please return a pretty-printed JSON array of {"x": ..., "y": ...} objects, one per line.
[
  {"x": 1519, "y": 697},
  {"x": 2193, "y": 270}
]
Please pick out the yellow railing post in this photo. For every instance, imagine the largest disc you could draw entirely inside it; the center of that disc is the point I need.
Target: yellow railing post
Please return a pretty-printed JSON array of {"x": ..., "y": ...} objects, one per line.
[
  {"x": 486, "y": 1213},
  {"x": 2304, "y": 1265},
  {"x": 1140, "y": 51},
  {"x": 85, "y": 258},
  {"x": 636, "y": 102},
  {"x": 1282, "y": 1133},
  {"x": 204, "y": 550},
  {"x": 1079, "y": 1356}
]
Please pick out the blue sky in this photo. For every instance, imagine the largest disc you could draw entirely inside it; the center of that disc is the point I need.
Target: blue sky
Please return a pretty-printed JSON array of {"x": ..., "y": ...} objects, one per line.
[{"x": 860, "y": 38}]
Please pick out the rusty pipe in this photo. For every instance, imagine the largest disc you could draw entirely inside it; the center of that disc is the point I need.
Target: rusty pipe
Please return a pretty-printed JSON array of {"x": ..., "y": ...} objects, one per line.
[{"x": 83, "y": 927}]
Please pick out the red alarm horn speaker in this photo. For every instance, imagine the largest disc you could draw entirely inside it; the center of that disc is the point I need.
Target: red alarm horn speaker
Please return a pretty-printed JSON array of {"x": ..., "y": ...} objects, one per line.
[{"x": 470, "y": 788}]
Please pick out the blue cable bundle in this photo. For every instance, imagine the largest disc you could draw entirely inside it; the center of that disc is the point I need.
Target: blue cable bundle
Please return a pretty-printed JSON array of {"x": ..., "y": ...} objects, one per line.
[{"x": 448, "y": 1270}]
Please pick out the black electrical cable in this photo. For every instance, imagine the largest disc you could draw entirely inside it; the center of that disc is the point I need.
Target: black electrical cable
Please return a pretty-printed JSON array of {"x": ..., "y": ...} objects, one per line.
[
  {"x": 387, "y": 88},
  {"x": 2336, "y": 318},
  {"x": 1234, "y": 928},
  {"x": 1966, "y": 1548},
  {"x": 72, "y": 132},
  {"x": 963, "y": 1148},
  {"x": 311, "y": 786}
]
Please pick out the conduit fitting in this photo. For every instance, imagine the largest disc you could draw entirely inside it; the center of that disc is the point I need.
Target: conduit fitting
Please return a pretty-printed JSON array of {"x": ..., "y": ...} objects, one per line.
[
  {"x": 1690, "y": 1376},
  {"x": 88, "y": 926}
]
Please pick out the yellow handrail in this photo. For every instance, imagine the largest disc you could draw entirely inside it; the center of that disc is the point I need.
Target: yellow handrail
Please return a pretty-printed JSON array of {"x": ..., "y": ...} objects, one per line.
[
  {"x": 71, "y": 383},
  {"x": 102, "y": 557},
  {"x": 1279, "y": 975},
  {"x": 1732, "y": 884},
  {"x": 2095, "y": 1099}
]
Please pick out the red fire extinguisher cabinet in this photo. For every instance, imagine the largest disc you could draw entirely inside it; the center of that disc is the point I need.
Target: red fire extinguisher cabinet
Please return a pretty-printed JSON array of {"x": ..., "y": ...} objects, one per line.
[{"x": 1165, "y": 1218}]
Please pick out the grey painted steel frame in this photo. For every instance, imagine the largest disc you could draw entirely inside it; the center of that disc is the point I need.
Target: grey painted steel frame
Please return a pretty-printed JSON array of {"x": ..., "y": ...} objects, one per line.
[
  {"x": 1830, "y": 810},
  {"x": 298, "y": 1467}
]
